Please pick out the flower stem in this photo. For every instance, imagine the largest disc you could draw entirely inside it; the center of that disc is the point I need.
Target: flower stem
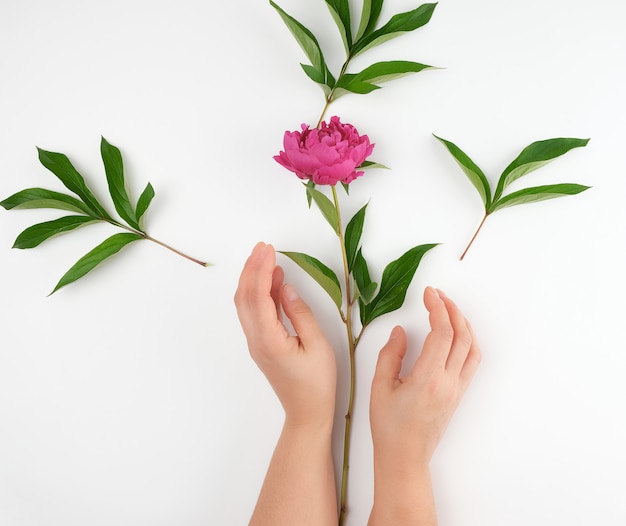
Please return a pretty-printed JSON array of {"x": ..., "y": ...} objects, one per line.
[
  {"x": 149, "y": 238},
  {"x": 202, "y": 263},
  {"x": 330, "y": 97},
  {"x": 351, "y": 351},
  {"x": 474, "y": 237}
]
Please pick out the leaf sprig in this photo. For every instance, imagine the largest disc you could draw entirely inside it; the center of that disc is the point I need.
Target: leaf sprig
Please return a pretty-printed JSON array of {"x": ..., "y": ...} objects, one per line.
[
  {"x": 366, "y": 37},
  {"x": 373, "y": 301},
  {"x": 531, "y": 158},
  {"x": 88, "y": 210}
]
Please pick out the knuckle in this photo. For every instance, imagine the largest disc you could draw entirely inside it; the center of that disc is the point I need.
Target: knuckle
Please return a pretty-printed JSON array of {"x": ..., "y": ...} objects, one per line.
[
  {"x": 447, "y": 334},
  {"x": 465, "y": 338},
  {"x": 300, "y": 308}
]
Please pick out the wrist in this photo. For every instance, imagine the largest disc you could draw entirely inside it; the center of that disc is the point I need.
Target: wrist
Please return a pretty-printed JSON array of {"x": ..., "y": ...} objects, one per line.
[
  {"x": 321, "y": 427},
  {"x": 401, "y": 472},
  {"x": 395, "y": 460},
  {"x": 403, "y": 496}
]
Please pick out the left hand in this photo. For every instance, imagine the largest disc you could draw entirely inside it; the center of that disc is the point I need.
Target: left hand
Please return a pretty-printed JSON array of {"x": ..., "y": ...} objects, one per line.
[{"x": 300, "y": 368}]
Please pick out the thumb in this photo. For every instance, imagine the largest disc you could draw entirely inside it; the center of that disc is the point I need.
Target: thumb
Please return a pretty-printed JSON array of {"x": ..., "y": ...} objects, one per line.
[
  {"x": 300, "y": 315},
  {"x": 390, "y": 357}
]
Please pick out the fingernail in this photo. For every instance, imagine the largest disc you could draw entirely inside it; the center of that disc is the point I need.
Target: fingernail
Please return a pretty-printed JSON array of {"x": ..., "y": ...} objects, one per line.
[
  {"x": 441, "y": 293},
  {"x": 433, "y": 290},
  {"x": 258, "y": 247},
  {"x": 290, "y": 293},
  {"x": 395, "y": 332}
]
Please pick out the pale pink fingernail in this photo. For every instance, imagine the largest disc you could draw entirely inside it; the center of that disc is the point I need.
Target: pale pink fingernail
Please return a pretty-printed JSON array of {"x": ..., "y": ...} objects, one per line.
[
  {"x": 395, "y": 332},
  {"x": 290, "y": 293},
  {"x": 258, "y": 247},
  {"x": 433, "y": 290}
]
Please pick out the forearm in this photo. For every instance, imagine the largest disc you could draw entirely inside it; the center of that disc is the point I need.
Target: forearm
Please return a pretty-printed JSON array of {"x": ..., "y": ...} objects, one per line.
[
  {"x": 403, "y": 497},
  {"x": 299, "y": 487}
]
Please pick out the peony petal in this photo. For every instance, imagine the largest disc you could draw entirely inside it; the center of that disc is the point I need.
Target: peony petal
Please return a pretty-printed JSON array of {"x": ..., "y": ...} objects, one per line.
[
  {"x": 337, "y": 172},
  {"x": 325, "y": 155}
]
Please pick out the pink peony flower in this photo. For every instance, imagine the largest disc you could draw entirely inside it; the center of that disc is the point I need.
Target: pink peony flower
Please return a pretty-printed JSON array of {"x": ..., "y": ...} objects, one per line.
[{"x": 327, "y": 155}]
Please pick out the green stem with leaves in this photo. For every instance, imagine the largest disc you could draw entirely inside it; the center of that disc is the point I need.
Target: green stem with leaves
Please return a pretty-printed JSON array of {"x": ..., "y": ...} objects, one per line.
[
  {"x": 150, "y": 238},
  {"x": 352, "y": 343},
  {"x": 330, "y": 97}
]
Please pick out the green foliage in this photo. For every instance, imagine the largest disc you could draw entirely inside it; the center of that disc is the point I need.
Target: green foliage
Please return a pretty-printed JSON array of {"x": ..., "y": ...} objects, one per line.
[
  {"x": 354, "y": 229},
  {"x": 114, "y": 168},
  {"x": 326, "y": 206},
  {"x": 531, "y": 158},
  {"x": 367, "y": 36},
  {"x": 396, "y": 278},
  {"x": 395, "y": 282},
  {"x": 89, "y": 208},
  {"x": 326, "y": 278},
  {"x": 94, "y": 257},
  {"x": 365, "y": 287},
  {"x": 37, "y": 234}
]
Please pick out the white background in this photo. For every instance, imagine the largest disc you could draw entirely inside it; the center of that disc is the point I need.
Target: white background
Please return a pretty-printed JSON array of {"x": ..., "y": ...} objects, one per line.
[{"x": 129, "y": 397}]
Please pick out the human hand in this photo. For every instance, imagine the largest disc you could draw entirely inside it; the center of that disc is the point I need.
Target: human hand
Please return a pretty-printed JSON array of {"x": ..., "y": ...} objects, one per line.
[
  {"x": 409, "y": 415},
  {"x": 300, "y": 368}
]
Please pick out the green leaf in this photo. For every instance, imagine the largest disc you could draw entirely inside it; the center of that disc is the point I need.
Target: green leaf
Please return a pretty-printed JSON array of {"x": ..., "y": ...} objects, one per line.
[
  {"x": 538, "y": 193},
  {"x": 42, "y": 198},
  {"x": 364, "y": 284},
  {"x": 96, "y": 256},
  {"x": 386, "y": 71},
  {"x": 367, "y": 294},
  {"x": 37, "y": 234},
  {"x": 144, "y": 202},
  {"x": 372, "y": 164},
  {"x": 369, "y": 17},
  {"x": 318, "y": 77},
  {"x": 314, "y": 74},
  {"x": 397, "y": 25},
  {"x": 61, "y": 166},
  {"x": 396, "y": 279},
  {"x": 535, "y": 156},
  {"x": 114, "y": 168},
  {"x": 340, "y": 11},
  {"x": 309, "y": 184},
  {"x": 348, "y": 83},
  {"x": 354, "y": 229},
  {"x": 473, "y": 172},
  {"x": 367, "y": 80},
  {"x": 308, "y": 43},
  {"x": 320, "y": 273},
  {"x": 326, "y": 206}
]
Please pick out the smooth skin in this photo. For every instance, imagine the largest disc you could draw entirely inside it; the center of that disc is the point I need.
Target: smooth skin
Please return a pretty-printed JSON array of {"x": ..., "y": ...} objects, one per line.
[
  {"x": 299, "y": 488},
  {"x": 408, "y": 414}
]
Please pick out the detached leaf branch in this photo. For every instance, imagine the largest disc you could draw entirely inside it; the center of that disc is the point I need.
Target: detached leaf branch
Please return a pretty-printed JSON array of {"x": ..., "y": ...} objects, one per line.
[
  {"x": 366, "y": 37},
  {"x": 531, "y": 158},
  {"x": 88, "y": 210}
]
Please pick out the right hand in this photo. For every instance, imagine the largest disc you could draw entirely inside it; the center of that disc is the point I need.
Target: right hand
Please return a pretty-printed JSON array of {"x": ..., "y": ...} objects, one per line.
[{"x": 409, "y": 415}]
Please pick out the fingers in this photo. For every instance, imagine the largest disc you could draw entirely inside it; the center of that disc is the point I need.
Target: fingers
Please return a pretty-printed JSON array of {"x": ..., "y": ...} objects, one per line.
[
  {"x": 390, "y": 357},
  {"x": 278, "y": 277},
  {"x": 439, "y": 340},
  {"x": 301, "y": 316},
  {"x": 472, "y": 361},
  {"x": 462, "y": 340},
  {"x": 451, "y": 344},
  {"x": 253, "y": 299}
]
